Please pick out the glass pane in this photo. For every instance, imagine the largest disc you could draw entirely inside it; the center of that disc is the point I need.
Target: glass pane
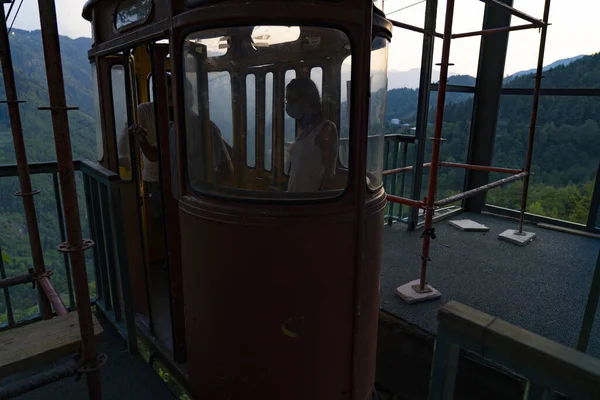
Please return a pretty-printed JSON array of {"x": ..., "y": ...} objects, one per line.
[
  {"x": 377, "y": 125},
  {"x": 99, "y": 141},
  {"x": 345, "y": 111},
  {"x": 119, "y": 100},
  {"x": 132, "y": 12},
  {"x": 565, "y": 159},
  {"x": 316, "y": 74},
  {"x": 250, "y": 121},
  {"x": 268, "y": 151},
  {"x": 150, "y": 88},
  {"x": 296, "y": 134}
]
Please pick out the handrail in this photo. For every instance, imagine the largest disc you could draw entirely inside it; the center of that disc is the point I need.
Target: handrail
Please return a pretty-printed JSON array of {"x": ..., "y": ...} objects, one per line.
[
  {"x": 549, "y": 366},
  {"x": 98, "y": 172},
  {"x": 48, "y": 167}
]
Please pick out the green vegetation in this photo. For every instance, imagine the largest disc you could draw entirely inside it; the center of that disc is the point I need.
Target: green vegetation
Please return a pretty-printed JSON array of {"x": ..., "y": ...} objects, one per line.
[
  {"x": 567, "y": 147},
  {"x": 30, "y": 76}
]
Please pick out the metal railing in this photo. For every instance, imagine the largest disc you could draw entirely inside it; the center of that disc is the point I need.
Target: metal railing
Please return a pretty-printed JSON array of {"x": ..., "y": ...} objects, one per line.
[
  {"x": 548, "y": 366},
  {"x": 104, "y": 214},
  {"x": 42, "y": 168}
]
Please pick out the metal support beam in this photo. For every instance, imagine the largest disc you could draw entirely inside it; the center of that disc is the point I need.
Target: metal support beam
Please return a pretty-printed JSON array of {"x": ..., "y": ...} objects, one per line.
[
  {"x": 423, "y": 107},
  {"x": 590, "y": 310},
  {"x": 534, "y": 111},
  {"x": 17, "y": 280},
  {"x": 66, "y": 174},
  {"x": 413, "y": 28},
  {"x": 482, "y": 189},
  {"x": 502, "y": 4},
  {"x": 22, "y": 165},
  {"x": 486, "y": 102}
]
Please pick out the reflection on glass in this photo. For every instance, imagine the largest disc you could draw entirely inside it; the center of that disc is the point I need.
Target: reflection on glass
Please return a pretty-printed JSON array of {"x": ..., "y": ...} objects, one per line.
[
  {"x": 119, "y": 100},
  {"x": 345, "y": 111},
  {"x": 250, "y": 121},
  {"x": 265, "y": 36},
  {"x": 99, "y": 140},
  {"x": 316, "y": 74},
  {"x": 150, "y": 88},
  {"x": 132, "y": 12},
  {"x": 379, "y": 55},
  {"x": 268, "y": 151},
  {"x": 297, "y": 150}
]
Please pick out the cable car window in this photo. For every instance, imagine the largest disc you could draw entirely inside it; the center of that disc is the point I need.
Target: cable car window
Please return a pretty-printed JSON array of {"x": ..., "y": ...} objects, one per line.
[
  {"x": 131, "y": 13},
  {"x": 268, "y": 148},
  {"x": 99, "y": 140},
  {"x": 379, "y": 55},
  {"x": 345, "y": 111},
  {"x": 251, "y": 121},
  {"x": 289, "y": 127},
  {"x": 219, "y": 97},
  {"x": 150, "y": 88},
  {"x": 295, "y": 121},
  {"x": 119, "y": 101},
  {"x": 316, "y": 74}
]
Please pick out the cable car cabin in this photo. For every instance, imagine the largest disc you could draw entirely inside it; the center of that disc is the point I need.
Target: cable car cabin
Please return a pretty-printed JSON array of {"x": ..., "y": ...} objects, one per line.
[{"x": 249, "y": 141}]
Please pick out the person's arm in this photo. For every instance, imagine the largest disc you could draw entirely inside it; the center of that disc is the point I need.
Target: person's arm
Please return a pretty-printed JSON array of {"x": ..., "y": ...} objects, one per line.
[
  {"x": 327, "y": 140},
  {"x": 150, "y": 150}
]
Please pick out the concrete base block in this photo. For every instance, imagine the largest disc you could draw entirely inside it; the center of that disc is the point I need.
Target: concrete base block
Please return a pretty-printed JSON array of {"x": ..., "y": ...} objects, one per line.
[
  {"x": 410, "y": 293},
  {"x": 513, "y": 236},
  {"x": 468, "y": 225}
]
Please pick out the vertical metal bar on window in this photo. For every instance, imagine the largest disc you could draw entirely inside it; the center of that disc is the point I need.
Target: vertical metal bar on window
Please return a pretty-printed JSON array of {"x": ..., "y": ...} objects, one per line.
[
  {"x": 9, "y": 311},
  {"x": 386, "y": 186},
  {"x": 101, "y": 252},
  {"x": 92, "y": 225},
  {"x": 403, "y": 177},
  {"x": 423, "y": 106},
  {"x": 108, "y": 238},
  {"x": 593, "y": 222},
  {"x": 590, "y": 309},
  {"x": 278, "y": 124},
  {"x": 259, "y": 121},
  {"x": 443, "y": 369},
  {"x": 63, "y": 238},
  {"x": 116, "y": 226}
]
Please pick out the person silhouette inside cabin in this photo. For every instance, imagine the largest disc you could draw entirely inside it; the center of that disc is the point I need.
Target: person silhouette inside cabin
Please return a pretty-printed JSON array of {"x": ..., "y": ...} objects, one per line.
[
  {"x": 145, "y": 134},
  {"x": 313, "y": 155}
]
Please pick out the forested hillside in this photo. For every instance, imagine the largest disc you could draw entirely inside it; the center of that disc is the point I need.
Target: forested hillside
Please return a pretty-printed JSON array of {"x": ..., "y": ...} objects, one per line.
[
  {"x": 567, "y": 147},
  {"x": 30, "y": 76}
]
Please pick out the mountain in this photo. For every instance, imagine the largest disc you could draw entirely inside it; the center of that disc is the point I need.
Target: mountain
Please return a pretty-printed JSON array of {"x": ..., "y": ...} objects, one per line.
[
  {"x": 409, "y": 79},
  {"x": 30, "y": 77},
  {"x": 558, "y": 63}
]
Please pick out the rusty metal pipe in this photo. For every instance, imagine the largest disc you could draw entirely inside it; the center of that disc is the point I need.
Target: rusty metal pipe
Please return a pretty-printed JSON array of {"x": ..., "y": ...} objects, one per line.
[
  {"x": 403, "y": 169},
  {"x": 33, "y": 231},
  {"x": 413, "y": 28},
  {"x": 66, "y": 174},
  {"x": 481, "y": 167},
  {"x": 16, "y": 280},
  {"x": 52, "y": 296},
  {"x": 403, "y": 200},
  {"x": 437, "y": 138},
  {"x": 491, "y": 31},
  {"x": 534, "y": 111},
  {"x": 480, "y": 189},
  {"x": 14, "y": 389},
  {"x": 517, "y": 13}
]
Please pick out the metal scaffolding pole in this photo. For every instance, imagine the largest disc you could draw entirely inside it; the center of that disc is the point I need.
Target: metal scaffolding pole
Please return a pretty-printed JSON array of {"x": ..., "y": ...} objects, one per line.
[
  {"x": 437, "y": 139},
  {"x": 27, "y": 191},
  {"x": 75, "y": 244},
  {"x": 534, "y": 111}
]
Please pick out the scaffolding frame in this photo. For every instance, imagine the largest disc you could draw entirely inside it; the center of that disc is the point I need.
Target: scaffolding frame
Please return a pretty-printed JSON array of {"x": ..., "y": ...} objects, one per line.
[{"x": 429, "y": 204}]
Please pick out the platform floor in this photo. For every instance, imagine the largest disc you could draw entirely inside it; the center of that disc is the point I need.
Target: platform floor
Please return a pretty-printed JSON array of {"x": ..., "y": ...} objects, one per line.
[
  {"x": 542, "y": 287},
  {"x": 123, "y": 377}
]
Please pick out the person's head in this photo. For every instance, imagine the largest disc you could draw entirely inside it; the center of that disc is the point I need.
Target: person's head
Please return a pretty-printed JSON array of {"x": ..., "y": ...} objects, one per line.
[{"x": 302, "y": 99}]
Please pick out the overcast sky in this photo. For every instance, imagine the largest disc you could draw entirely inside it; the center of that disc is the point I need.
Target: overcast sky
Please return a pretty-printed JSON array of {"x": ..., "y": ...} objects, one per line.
[{"x": 575, "y": 30}]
